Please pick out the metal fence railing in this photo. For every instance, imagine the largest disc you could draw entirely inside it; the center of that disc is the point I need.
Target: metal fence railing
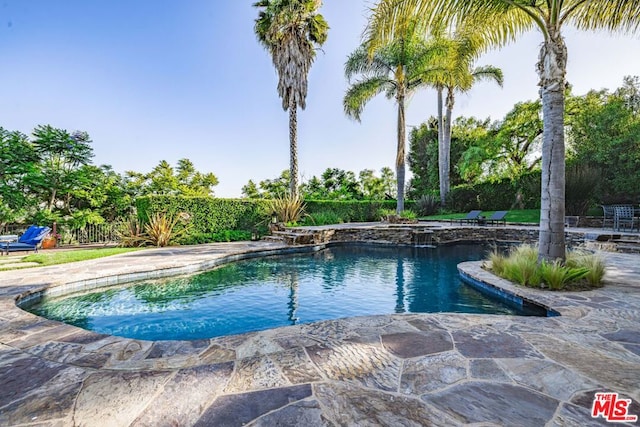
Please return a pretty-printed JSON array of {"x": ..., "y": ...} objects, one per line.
[
  {"x": 93, "y": 233},
  {"x": 89, "y": 234}
]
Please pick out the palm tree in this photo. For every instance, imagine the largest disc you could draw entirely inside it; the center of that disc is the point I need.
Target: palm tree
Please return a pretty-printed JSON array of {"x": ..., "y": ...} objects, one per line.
[
  {"x": 458, "y": 75},
  {"x": 396, "y": 69},
  {"x": 291, "y": 31},
  {"x": 508, "y": 19}
]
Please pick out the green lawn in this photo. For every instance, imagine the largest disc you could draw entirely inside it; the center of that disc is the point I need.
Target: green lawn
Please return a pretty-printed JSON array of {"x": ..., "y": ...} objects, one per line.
[
  {"x": 523, "y": 215},
  {"x": 62, "y": 257}
]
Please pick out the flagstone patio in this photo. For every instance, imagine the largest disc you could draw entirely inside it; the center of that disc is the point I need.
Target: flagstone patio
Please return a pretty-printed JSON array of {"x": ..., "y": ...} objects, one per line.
[{"x": 409, "y": 369}]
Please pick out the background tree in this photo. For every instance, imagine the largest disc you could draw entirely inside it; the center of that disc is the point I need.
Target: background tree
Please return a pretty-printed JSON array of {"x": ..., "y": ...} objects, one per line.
[
  {"x": 456, "y": 73},
  {"x": 423, "y": 159},
  {"x": 396, "y": 69},
  {"x": 268, "y": 188},
  {"x": 340, "y": 184},
  {"x": 61, "y": 157},
  {"x": 504, "y": 149},
  {"x": 250, "y": 190},
  {"x": 604, "y": 135},
  {"x": 193, "y": 183},
  {"x": 163, "y": 179},
  {"x": 508, "y": 19},
  {"x": 18, "y": 161},
  {"x": 291, "y": 30}
]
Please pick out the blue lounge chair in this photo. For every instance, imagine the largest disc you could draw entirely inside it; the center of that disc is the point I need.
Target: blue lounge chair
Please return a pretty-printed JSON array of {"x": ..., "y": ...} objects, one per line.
[
  {"x": 497, "y": 218},
  {"x": 471, "y": 218},
  {"x": 29, "y": 241}
]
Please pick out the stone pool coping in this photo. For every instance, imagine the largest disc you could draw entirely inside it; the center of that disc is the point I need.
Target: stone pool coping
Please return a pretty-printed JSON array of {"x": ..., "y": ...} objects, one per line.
[{"x": 441, "y": 369}]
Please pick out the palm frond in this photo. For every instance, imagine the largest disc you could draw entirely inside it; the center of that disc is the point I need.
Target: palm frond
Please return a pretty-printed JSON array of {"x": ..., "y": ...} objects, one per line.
[
  {"x": 498, "y": 21},
  {"x": 616, "y": 16},
  {"x": 488, "y": 73},
  {"x": 361, "y": 92},
  {"x": 359, "y": 62}
]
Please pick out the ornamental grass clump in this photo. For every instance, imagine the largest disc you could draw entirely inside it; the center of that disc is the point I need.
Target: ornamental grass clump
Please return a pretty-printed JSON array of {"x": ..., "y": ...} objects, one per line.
[
  {"x": 594, "y": 263},
  {"x": 324, "y": 217},
  {"x": 581, "y": 270},
  {"x": 521, "y": 266},
  {"x": 556, "y": 275},
  {"x": 497, "y": 261}
]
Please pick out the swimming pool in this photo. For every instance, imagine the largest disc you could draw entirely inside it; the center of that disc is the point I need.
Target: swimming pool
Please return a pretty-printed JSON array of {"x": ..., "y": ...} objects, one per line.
[{"x": 263, "y": 293}]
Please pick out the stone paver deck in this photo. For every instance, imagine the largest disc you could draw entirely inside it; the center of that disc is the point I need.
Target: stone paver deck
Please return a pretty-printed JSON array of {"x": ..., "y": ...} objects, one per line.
[{"x": 395, "y": 370}]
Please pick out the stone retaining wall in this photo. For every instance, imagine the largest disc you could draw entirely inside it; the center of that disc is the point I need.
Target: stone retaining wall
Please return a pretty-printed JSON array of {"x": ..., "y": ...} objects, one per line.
[{"x": 420, "y": 234}]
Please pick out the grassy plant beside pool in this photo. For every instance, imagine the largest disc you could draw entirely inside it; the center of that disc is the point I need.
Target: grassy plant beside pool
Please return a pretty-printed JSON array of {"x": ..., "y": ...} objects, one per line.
[{"x": 581, "y": 270}]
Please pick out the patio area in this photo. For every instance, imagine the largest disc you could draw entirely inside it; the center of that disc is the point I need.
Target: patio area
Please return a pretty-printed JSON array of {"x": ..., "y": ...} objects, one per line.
[{"x": 403, "y": 369}]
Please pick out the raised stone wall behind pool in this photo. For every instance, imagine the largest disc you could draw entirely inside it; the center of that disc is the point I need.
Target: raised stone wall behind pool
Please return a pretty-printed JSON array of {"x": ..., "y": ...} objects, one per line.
[{"x": 434, "y": 235}]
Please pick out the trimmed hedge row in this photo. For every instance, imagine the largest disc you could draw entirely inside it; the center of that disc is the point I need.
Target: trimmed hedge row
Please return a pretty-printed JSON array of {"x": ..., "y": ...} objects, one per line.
[
  {"x": 354, "y": 210},
  {"x": 211, "y": 215},
  {"x": 523, "y": 193},
  {"x": 207, "y": 214}
]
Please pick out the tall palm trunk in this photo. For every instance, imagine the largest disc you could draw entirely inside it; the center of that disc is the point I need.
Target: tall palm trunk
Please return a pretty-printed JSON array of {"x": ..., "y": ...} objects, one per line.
[
  {"x": 441, "y": 166},
  {"x": 400, "y": 156},
  {"x": 446, "y": 143},
  {"x": 551, "y": 69},
  {"x": 293, "y": 148}
]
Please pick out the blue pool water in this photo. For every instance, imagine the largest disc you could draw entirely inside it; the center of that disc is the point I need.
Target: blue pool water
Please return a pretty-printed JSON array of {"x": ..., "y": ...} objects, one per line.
[{"x": 277, "y": 291}]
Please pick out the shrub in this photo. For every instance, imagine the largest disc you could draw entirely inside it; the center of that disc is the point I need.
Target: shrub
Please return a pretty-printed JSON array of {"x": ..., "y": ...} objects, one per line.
[
  {"x": 323, "y": 218},
  {"x": 497, "y": 260},
  {"x": 288, "y": 209},
  {"x": 408, "y": 214},
  {"x": 581, "y": 188},
  {"x": 594, "y": 263},
  {"x": 383, "y": 214},
  {"x": 354, "y": 210},
  {"x": 521, "y": 266},
  {"x": 427, "y": 205},
  {"x": 163, "y": 229},
  {"x": 522, "y": 192},
  {"x": 556, "y": 276},
  {"x": 130, "y": 232},
  {"x": 208, "y": 214},
  {"x": 230, "y": 236}
]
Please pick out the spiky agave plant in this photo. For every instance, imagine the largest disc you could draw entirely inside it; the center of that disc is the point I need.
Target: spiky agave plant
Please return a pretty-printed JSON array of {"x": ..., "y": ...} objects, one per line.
[
  {"x": 130, "y": 232},
  {"x": 164, "y": 229},
  {"x": 288, "y": 208}
]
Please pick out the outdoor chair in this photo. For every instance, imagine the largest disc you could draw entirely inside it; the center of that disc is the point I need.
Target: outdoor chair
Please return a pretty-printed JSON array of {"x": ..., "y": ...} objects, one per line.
[
  {"x": 497, "y": 218},
  {"x": 469, "y": 219},
  {"x": 29, "y": 241},
  {"x": 608, "y": 215},
  {"x": 624, "y": 218}
]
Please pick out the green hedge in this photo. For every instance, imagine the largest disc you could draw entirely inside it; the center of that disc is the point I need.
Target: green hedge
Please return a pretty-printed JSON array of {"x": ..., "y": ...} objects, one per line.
[
  {"x": 208, "y": 215},
  {"x": 500, "y": 195},
  {"x": 354, "y": 210},
  {"x": 211, "y": 215}
]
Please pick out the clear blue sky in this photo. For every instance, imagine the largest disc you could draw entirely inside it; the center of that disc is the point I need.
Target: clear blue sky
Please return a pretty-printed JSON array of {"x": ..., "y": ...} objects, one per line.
[{"x": 153, "y": 80}]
